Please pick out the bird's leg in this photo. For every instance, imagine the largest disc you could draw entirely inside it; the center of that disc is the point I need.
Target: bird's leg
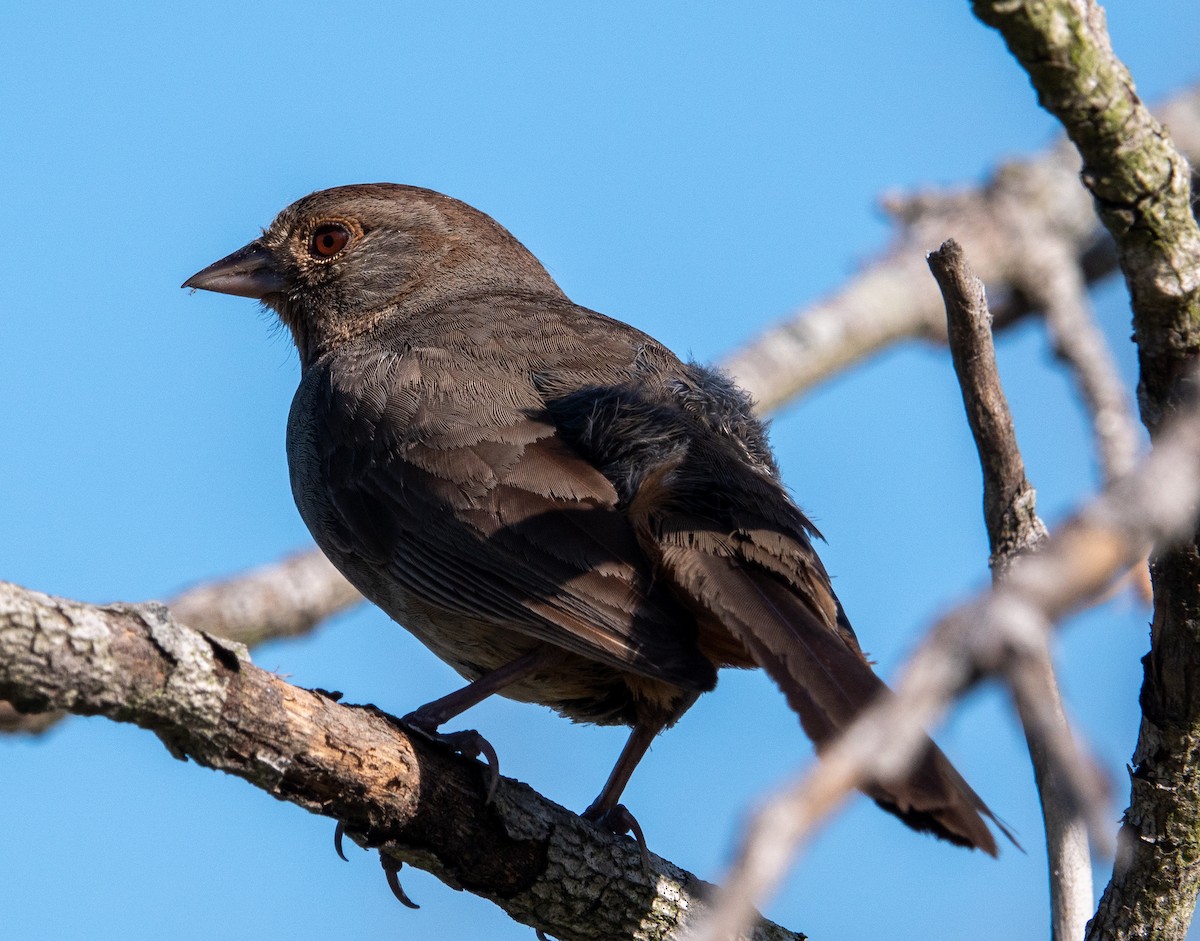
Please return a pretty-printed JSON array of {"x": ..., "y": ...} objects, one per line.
[
  {"x": 469, "y": 743},
  {"x": 606, "y": 809},
  {"x": 426, "y": 720},
  {"x": 433, "y": 714},
  {"x": 635, "y": 749}
]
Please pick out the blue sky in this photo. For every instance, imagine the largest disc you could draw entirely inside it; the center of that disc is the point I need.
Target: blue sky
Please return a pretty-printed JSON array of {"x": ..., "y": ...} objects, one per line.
[{"x": 696, "y": 169}]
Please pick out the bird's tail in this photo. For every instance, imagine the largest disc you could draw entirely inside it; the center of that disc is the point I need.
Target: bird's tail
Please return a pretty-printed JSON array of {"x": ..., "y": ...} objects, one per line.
[{"x": 787, "y": 629}]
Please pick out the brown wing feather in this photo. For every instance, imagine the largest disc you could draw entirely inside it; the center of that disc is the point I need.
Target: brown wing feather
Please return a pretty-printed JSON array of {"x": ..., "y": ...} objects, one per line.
[{"x": 490, "y": 516}]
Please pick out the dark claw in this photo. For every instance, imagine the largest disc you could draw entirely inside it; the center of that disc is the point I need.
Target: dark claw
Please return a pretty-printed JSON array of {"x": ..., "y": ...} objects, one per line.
[
  {"x": 468, "y": 743},
  {"x": 620, "y": 821},
  {"x": 338, "y": 832},
  {"x": 540, "y": 934},
  {"x": 391, "y": 869}
]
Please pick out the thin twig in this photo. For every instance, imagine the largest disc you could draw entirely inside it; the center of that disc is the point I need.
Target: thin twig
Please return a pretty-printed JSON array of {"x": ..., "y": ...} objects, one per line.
[
  {"x": 1009, "y": 501},
  {"x": 1065, "y": 786}
]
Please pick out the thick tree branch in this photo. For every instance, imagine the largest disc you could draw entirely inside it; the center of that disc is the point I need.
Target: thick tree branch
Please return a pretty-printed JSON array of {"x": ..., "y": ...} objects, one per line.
[
  {"x": 1014, "y": 527},
  {"x": 998, "y": 633},
  {"x": 1140, "y": 184},
  {"x": 1142, "y": 192},
  {"x": 283, "y": 599},
  {"x": 206, "y": 701}
]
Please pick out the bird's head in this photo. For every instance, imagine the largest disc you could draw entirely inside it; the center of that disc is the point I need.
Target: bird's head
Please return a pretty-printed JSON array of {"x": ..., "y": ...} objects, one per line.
[{"x": 339, "y": 261}]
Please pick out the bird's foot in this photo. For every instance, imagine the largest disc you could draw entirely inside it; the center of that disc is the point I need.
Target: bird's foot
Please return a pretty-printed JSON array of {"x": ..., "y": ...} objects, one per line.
[
  {"x": 619, "y": 820},
  {"x": 468, "y": 743}
]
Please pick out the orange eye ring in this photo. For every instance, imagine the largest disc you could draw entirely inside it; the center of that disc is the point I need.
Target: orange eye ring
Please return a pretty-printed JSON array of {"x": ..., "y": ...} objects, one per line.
[{"x": 328, "y": 239}]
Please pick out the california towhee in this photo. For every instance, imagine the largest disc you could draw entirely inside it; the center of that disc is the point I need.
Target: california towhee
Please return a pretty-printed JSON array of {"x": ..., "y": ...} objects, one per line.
[{"x": 555, "y": 504}]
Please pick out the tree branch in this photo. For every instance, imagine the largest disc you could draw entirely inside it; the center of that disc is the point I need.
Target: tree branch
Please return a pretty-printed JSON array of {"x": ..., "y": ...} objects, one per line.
[
  {"x": 891, "y": 299},
  {"x": 1014, "y": 527},
  {"x": 1009, "y": 501},
  {"x": 1142, "y": 190},
  {"x": 286, "y": 598},
  {"x": 206, "y": 701},
  {"x": 283, "y": 599},
  {"x": 1054, "y": 282}
]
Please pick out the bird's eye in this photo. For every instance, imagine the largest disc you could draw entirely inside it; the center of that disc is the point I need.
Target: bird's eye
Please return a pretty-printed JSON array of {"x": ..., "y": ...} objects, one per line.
[{"x": 328, "y": 239}]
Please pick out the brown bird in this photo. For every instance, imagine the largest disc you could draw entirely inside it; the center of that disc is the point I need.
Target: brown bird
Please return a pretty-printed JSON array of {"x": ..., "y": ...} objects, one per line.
[{"x": 549, "y": 499}]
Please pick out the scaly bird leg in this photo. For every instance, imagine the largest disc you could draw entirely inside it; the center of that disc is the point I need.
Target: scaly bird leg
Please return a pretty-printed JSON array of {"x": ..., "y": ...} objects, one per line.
[
  {"x": 605, "y": 809},
  {"x": 469, "y": 743}
]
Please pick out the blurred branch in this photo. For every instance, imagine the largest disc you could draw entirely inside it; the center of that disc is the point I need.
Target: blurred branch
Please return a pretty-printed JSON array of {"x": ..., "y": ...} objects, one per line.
[
  {"x": 206, "y": 701},
  {"x": 891, "y": 299},
  {"x": 999, "y": 632},
  {"x": 21, "y": 723},
  {"x": 1054, "y": 282},
  {"x": 290, "y": 597},
  {"x": 1141, "y": 185},
  {"x": 1014, "y": 527}
]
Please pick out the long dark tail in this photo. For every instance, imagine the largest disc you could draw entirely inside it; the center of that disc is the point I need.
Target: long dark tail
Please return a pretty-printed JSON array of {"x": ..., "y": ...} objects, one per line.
[{"x": 783, "y": 621}]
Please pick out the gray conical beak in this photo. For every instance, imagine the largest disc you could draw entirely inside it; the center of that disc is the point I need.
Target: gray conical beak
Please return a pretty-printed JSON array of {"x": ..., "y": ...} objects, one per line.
[{"x": 248, "y": 272}]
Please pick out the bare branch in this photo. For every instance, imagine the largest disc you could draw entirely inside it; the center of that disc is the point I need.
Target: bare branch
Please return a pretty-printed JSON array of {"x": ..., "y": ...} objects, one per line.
[
  {"x": 206, "y": 701},
  {"x": 283, "y": 599},
  {"x": 1142, "y": 190},
  {"x": 1009, "y": 502},
  {"x": 1072, "y": 790},
  {"x": 891, "y": 299},
  {"x": 286, "y": 598},
  {"x": 1008, "y": 623},
  {"x": 1013, "y": 528},
  {"x": 1053, "y": 281}
]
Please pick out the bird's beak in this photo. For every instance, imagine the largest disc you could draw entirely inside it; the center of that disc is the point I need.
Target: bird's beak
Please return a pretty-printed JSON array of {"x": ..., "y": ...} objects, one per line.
[{"x": 248, "y": 272}]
